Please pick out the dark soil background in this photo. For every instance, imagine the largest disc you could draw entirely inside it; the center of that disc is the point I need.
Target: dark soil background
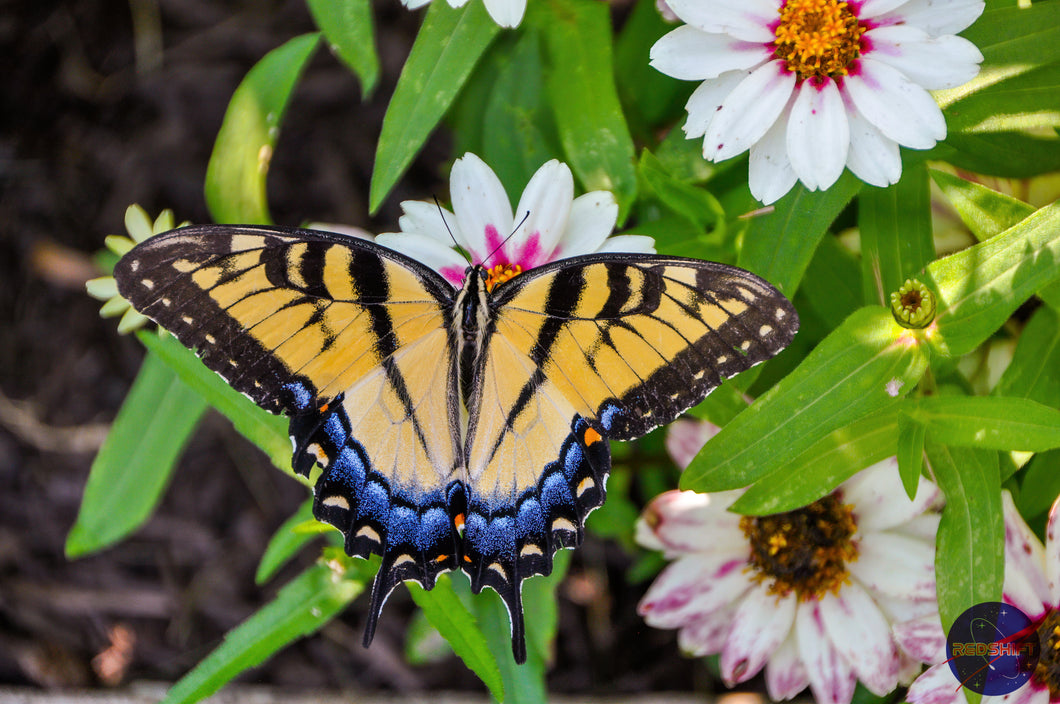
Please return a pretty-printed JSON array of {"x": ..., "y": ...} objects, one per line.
[{"x": 100, "y": 111}]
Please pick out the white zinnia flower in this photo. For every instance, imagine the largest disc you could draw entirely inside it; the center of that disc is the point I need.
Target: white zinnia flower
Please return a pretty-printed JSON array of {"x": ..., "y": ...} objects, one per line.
[
  {"x": 839, "y": 591},
  {"x": 506, "y": 13},
  {"x": 1032, "y": 584},
  {"x": 811, "y": 86},
  {"x": 552, "y": 223}
]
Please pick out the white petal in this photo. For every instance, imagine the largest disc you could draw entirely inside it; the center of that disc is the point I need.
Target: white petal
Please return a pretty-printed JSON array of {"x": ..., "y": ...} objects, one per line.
[
  {"x": 1018, "y": 591},
  {"x": 1024, "y": 552},
  {"x": 936, "y": 17},
  {"x": 1052, "y": 553},
  {"x": 692, "y": 587},
  {"x": 901, "y": 608},
  {"x": 873, "y": 158},
  {"x": 592, "y": 218},
  {"x": 901, "y": 109},
  {"x": 457, "y": 3},
  {"x": 480, "y": 206},
  {"x": 414, "y": 4},
  {"x": 445, "y": 260},
  {"x": 831, "y": 678},
  {"x": 506, "y": 13},
  {"x": 637, "y": 244},
  {"x": 761, "y": 624},
  {"x": 863, "y": 636},
  {"x": 945, "y": 62},
  {"x": 685, "y": 438},
  {"x": 879, "y": 500},
  {"x": 688, "y": 522},
  {"x": 748, "y": 20},
  {"x": 922, "y": 638},
  {"x": 748, "y": 112},
  {"x": 785, "y": 673},
  {"x": 769, "y": 173},
  {"x": 545, "y": 205},
  {"x": 422, "y": 218},
  {"x": 692, "y": 55},
  {"x": 706, "y": 634},
  {"x": 818, "y": 134},
  {"x": 924, "y": 527},
  {"x": 896, "y": 565},
  {"x": 705, "y": 100},
  {"x": 936, "y": 686},
  {"x": 875, "y": 8}
]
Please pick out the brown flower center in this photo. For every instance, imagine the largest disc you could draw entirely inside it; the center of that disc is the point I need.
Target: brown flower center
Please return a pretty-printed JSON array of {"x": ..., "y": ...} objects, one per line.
[
  {"x": 1047, "y": 672},
  {"x": 805, "y": 551},
  {"x": 817, "y": 38},
  {"x": 500, "y": 273}
]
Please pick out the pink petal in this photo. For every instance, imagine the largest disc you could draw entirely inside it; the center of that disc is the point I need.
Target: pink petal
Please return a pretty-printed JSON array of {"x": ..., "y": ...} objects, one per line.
[
  {"x": 688, "y": 522},
  {"x": 831, "y": 677},
  {"x": 686, "y": 437},
  {"x": 427, "y": 250},
  {"x": 762, "y": 622},
  {"x": 1024, "y": 552},
  {"x": 922, "y": 638},
  {"x": 785, "y": 674},
  {"x": 936, "y": 686},
  {"x": 691, "y": 587},
  {"x": 748, "y": 112},
  {"x": 858, "y": 628},
  {"x": 691, "y": 55},
  {"x": 480, "y": 205},
  {"x": 705, "y": 635},
  {"x": 818, "y": 134},
  {"x": 901, "y": 109},
  {"x": 1052, "y": 553}
]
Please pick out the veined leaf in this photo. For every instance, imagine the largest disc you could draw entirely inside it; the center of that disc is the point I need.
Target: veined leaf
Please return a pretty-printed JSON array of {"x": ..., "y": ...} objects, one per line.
[
  {"x": 302, "y": 606},
  {"x": 451, "y": 618},
  {"x": 990, "y": 422},
  {"x": 980, "y": 287},
  {"x": 860, "y": 368},
  {"x": 285, "y": 543},
  {"x": 267, "y": 431},
  {"x": 235, "y": 177},
  {"x": 136, "y": 460},
  {"x": 985, "y": 211},
  {"x": 348, "y": 30},
  {"x": 445, "y": 52},
  {"x": 1034, "y": 371},
  {"x": 911, "y": 436}
]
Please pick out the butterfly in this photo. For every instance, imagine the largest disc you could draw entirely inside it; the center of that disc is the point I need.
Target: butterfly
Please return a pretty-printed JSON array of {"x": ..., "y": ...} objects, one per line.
[{"x": 457, "y": 429}]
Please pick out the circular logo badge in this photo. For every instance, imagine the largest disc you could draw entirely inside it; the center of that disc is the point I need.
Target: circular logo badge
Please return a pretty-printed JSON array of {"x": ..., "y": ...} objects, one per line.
[{"x": 993, "y": 648}]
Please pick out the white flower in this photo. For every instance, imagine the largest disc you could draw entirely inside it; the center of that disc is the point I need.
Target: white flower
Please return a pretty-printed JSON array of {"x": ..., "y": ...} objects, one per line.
[
  {"x": 1032, "y": 584},
  {"x": 811, "y": 86},
  {"x": 549, "y": 223},
  {"x": 839, "y": 591},
  {"x": 506, "y": 13}
]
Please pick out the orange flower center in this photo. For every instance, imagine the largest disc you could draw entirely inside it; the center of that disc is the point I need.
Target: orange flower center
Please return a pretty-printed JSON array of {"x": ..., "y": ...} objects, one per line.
[
  {"x": 805, "y": 551},
  {"x": 500, "y": 273},
  {"x": 817, "y": 38}
]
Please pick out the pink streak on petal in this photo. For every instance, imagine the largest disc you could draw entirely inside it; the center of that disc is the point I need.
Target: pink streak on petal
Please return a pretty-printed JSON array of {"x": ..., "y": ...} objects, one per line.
[
  {"x": 453, "y": 274},
  {"x": 493, "y": 241},
  {"x": 529, "y": 255}
]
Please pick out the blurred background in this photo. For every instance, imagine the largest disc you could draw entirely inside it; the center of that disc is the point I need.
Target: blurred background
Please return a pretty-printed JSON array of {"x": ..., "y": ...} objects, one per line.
[{"x": 111, "y": 102}]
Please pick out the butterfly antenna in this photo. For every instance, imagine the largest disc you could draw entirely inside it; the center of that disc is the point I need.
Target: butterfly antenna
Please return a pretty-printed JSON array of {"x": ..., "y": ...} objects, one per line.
[
  {"x": 441, "y": 214},
  {"x": 514, "y": 230}
]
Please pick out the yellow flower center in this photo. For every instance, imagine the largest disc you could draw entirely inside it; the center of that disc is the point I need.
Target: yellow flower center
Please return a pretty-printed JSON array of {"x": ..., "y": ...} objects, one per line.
[
  {"x": 817, "y": 38},
  {"x": 1047, "y": 671},
  {"x": 805, "y": 551},
  {"x": 500, "y": 273}
]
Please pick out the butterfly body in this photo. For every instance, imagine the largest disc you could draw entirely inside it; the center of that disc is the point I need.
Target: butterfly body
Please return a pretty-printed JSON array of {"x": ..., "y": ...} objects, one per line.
[{"x": 457, "y": 428}]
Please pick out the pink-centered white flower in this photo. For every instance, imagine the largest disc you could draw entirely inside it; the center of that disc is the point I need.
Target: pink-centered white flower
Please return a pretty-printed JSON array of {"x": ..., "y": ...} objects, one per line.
[
  {"x": 839, "y": 591},
  {"x": 1032, "y": 584},
  {"x": 548, "y": 224},
  {"x": 813, "y": 86},
  {"x": 506, "y": 13}
]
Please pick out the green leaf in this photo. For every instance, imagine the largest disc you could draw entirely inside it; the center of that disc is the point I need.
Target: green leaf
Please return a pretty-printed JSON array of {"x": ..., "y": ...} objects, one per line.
[
  {"x": 445, "y": 52},
  {"x": 860, "y": 368},
  {"x": 692, "y": 202},
  {"x": 287, "y": 541},
  {"x": 304, "y": 605},
  {"x": 267, "y": 431},
  {"x": 970, "y": 548},
  {"x": 137, "y": 459},
  {"x": 1017, "y": 35},
  {"x": 833, "y": 281},
  {"x": 895, "y": 226},
  {"x": 1034, "y": 371},
  {"x": 1007, "y": 154},
  {"x": 983, "y": 210},
  {"x": 779, "y": 245},
  {"x": 235, "y": 177},
  {"x": 348, "y": 30},
  {"x": 447, "y": 613},
  {"x": 981, "y": 286},
  {"x": 989, "y": 422},
  {"x": 581, "y": 90},
  {"x": 518, "y": 132},
  {"x": 1041, "y": 484},
  {"x": 823, "y": 466},
  {"x": 1026, "y": 102},
  {"x": 911, "y": 435}
]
